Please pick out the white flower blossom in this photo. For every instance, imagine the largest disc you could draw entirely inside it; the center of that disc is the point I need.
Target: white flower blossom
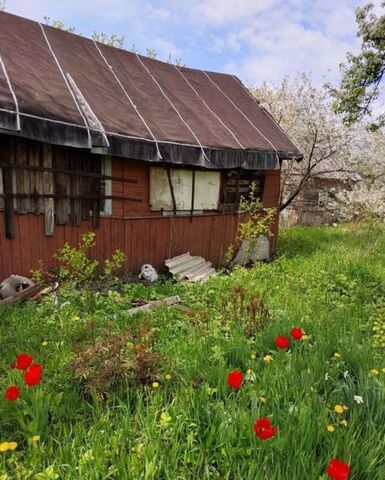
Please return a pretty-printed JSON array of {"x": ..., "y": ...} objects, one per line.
[
  {"x": 346, "y": 374},
  {"x": 358, "y": 399}
]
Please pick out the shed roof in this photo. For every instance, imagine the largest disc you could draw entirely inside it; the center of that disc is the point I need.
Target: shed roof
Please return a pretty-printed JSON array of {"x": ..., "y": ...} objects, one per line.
[{"x": 65, "y": 89}]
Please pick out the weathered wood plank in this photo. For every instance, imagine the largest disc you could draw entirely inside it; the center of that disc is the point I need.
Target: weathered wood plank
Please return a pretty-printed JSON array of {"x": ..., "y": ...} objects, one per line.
[
  {"x": 22, "y": 178},
  {"x": 34, "y": 160},
  {"x": 49, "y": 203},
  {"x": 6, "y": 154}
]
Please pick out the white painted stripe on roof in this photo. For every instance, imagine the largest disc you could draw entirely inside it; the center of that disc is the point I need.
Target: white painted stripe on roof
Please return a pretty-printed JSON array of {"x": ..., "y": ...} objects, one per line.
[
  {"x": 173, "y": 106},
  {"x": 12, "y": 93},
  {"x": 207, "y": 106},
  {"x": 240, "y": 111},
  {"x": 67, "y": 85},
  {"x": 86, "y": 106},
  {"x": 129, "y": 98}
]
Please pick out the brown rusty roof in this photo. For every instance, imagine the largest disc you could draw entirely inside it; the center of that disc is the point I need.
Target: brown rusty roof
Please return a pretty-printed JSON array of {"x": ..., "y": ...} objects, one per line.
[{"x": 65, "y": 89}]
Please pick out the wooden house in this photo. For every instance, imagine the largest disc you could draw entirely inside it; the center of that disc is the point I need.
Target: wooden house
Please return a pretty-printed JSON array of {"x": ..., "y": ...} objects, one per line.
[{"x": 152, "y": 156}]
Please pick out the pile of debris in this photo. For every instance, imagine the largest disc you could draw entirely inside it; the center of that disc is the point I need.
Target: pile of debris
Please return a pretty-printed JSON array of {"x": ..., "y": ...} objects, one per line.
[
  {"x": 186, "y": 268},
  {"x": 16, "y": 289}
]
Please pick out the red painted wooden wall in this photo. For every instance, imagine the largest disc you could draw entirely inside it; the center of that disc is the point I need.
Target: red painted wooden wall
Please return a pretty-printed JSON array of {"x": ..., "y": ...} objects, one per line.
[{"x": 144, "y": 236}]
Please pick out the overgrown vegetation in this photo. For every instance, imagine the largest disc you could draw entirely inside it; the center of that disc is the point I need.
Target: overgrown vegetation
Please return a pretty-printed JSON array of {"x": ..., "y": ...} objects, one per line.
[
  {"x": 76, "y": 266},
  {"x": 175, "y": 417},
  {"x": 259, "y": 219}
]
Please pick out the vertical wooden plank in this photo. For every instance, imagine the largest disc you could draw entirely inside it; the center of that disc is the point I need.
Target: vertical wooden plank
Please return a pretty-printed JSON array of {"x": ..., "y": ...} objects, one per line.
[
  {"x": 4, "y": 257},
  {"x": 177, "y": 236},
  {"x": 206, "y": 232},
  {"x": 34, "y": 241},
  {"x": 60, "y": 161},
  {"x": 96, "y": 190},
  {"x": 86, "y": 185},
  {"x": 213, "y": 241},
  {"x": 6, "y": 250},
  {"x": 159, "y": 232},
  {"x": 34, "y": 184},
  {"x": 49, "y": 204},
  {"x": 9, "y": 211},
  {"x": 20, "y": 149},
  {"x": 24, "y": 244},
  {"x": 136, "y": 245},
  {"x": 117, "y": 187},
  {"x": 59, "y": 237},
  {"x": 108, "y": 237},
  {"x": 170, "y": 238},
  {"x": 127, "y": 241},
  {"x": 1, "y": 190},
  {"x": 7, "y": 157},
  {"x": 15, "y": 248}
]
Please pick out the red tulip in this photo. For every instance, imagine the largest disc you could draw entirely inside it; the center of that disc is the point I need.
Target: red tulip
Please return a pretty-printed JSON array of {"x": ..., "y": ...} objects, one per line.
[
  {"x": 235, "y": 379},
  {"x": 33, "y": 375},
  {"x": 12, "y": 393},
  {"x": 338, "y": 470},
  {"x": 23, "y": 361},
  {"x": 263, "y": 429},
  {"x": 296, "y": 333},
  {"x": 282, "y": 342}
]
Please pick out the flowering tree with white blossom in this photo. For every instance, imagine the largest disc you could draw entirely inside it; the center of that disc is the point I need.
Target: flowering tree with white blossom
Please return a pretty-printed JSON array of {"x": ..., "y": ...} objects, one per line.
[{"x": 329, "y": 147}]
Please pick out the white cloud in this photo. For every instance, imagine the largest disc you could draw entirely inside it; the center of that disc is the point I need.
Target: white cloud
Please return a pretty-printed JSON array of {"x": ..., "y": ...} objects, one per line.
[
  {"x": 254, "y": 39},
  {"x": 230, "y": 11}
]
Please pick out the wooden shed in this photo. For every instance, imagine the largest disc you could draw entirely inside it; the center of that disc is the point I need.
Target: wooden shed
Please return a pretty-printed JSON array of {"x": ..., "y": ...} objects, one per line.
[{"x": 151, "y": 156}]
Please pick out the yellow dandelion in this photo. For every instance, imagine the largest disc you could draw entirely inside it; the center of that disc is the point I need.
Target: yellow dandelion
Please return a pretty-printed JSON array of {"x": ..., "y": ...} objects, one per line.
[
  {"x": 253, "y": 357},
  {"x": 339, "y": 409},
  {"x": 337, "y": 355},
  {"x": 262, "y": 399},
  {"x": 330, "y": 428},
  {"x": 4, "y": 446},
  {"x": 167, "y": 376},
  {"x": 383, "y": 370},
  {"x": 305, "y": 337},
  {"x": 267, "y": 358},
  {"x": 344, "y": 423},
  {"x": 374, "y": 372},
  {"x": 155, "y": 384},
  {"x": 45, "y": 343},
  {"x": 36, "y": 438},
  {"x": 12, "y": 445}
]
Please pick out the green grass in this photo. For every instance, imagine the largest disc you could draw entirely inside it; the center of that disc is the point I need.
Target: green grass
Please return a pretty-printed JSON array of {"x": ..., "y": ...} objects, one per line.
[{"x": 328, "y": 281}]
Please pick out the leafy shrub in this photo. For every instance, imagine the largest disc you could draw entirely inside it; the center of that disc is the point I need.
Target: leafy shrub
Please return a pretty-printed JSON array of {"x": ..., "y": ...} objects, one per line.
[
  {"x": 76, "y": 266},
  {"x": 258, "y": 222},
  {"x": 112, "y": 266},
  {"x": 117, "y": 359},
  {"x": 259, "y": 219}
]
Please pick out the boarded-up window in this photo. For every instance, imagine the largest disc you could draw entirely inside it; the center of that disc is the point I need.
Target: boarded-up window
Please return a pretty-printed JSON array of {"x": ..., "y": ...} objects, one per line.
[
  {"x": 181, "y": 183},
  {"x": 237, "y": 184}
]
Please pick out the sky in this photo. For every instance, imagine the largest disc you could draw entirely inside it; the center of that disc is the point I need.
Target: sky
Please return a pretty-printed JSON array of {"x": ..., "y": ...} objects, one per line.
[{"x": 256, "y": 40}]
